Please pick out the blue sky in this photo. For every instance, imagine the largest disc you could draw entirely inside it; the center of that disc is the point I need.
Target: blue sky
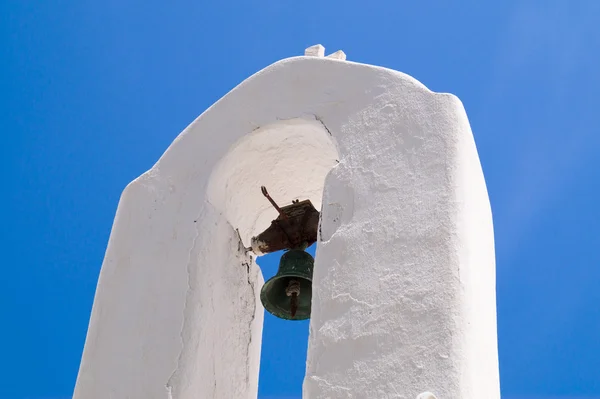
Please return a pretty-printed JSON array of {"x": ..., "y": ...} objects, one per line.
[{"x": 92, "y": 93}]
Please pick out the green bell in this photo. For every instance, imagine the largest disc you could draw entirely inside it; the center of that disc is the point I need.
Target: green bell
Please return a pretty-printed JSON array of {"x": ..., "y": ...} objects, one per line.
[{"x": 288, "y": 294}]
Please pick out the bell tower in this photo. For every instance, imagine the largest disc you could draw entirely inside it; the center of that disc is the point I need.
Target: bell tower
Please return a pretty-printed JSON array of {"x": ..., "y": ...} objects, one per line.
[{"x": 382, "y": 173}]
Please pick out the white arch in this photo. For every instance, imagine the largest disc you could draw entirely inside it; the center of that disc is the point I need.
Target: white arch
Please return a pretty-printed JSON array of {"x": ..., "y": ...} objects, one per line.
[
  {"x": 404, "y": 284},
  {"x": 290, "y": 157}
]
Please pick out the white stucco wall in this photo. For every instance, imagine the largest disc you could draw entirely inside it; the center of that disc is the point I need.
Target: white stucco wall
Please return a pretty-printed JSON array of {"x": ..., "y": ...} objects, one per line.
[{"x": 404, "y": 283}]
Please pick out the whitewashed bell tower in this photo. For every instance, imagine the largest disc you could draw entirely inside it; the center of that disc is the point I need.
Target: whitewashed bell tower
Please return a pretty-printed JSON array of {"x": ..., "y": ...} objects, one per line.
[{"x": 403, "y": 291}]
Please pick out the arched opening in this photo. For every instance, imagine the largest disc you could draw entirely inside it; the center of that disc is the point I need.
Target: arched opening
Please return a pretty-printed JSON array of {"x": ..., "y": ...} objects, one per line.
[
  {"x": 284, "y": 345},
  {"x": 291, "y": 158}
]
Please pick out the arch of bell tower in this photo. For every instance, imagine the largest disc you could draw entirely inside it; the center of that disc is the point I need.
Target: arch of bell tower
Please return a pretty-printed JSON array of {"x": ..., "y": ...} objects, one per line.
[{"x": 404, "y": 283}]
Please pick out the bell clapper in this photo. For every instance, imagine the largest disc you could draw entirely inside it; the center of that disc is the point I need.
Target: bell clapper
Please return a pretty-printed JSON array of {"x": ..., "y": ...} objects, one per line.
[{"x": 293, "y": 290}]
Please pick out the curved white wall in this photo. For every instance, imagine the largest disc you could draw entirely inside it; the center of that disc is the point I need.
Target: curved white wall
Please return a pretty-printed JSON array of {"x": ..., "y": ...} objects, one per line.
[{"x": 404, "y": 290}]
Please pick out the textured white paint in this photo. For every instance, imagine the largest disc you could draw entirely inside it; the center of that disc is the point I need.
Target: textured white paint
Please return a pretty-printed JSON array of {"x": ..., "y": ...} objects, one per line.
[{"x": 404, "y": 290}]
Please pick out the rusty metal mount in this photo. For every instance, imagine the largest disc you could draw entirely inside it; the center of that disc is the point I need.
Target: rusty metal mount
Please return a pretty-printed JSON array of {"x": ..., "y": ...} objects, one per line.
[{"x": 296, "y": 226}]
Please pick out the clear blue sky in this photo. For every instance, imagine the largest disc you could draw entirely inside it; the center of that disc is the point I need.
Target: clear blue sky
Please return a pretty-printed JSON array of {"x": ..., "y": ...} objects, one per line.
[{"x": 92, "y": 93}]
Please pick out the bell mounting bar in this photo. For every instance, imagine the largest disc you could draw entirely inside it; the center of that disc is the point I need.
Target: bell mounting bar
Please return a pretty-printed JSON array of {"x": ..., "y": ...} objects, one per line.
[
  {"x": 266, "y": 194},
  {"x": 295, "y": 227}
]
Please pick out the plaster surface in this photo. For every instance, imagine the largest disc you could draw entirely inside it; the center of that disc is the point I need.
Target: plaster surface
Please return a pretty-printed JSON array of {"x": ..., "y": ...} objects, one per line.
[{"x": 404, "y": 283}]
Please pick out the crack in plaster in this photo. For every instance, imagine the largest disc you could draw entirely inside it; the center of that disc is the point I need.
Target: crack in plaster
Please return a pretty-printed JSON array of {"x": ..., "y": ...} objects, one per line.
[
  {"x": 247, "y": 264},
  {"x": 323, "y": 123},
  {"x": 347, "y": 295},
  {"x": 169, "y": 384},
  {"x": 241, "y": 249},
  {"x": 330, "y": 385}
]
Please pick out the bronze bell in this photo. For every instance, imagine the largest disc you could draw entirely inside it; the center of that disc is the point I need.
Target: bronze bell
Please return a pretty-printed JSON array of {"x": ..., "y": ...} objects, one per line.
[{"x": 288, "y": 294}]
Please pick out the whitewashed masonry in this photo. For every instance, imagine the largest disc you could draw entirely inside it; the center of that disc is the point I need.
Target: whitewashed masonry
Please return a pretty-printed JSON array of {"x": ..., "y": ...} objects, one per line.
[{"x": 404, "y": 283}]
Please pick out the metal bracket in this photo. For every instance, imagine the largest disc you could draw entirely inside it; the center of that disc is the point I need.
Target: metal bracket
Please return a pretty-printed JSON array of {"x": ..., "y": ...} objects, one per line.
[{"x": 295, "y": 227}]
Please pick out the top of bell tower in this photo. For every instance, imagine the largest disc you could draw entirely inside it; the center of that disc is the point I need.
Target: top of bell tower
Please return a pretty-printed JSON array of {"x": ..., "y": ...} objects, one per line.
[{"x": 319, "y": 51}]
